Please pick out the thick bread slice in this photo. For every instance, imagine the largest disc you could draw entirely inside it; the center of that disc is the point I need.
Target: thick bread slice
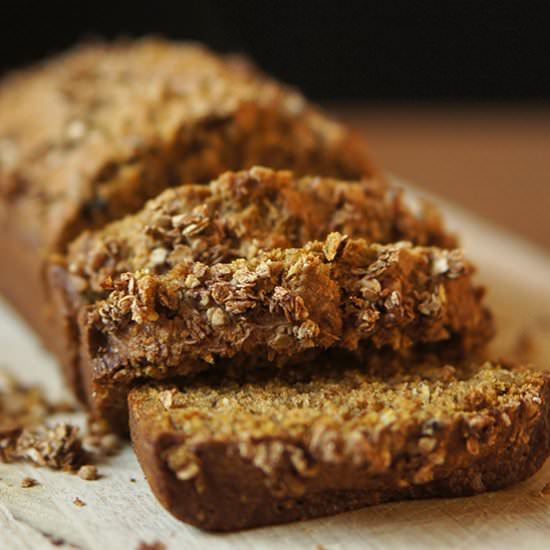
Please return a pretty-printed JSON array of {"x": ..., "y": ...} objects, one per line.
[
  {"x": 235, "y": 216},
  {"x": 241, "y": 213},
  {"x": 225, "y": 456},
  {"x": 279, "y": 307}
]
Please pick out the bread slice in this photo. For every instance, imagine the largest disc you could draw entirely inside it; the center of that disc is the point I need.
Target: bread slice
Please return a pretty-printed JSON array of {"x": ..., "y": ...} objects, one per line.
[
  {"x": 89, "y": 136},
  {"x": 235, "y": 216},
  {"x": 224, "y": 455},
  {"x": 279, "y": 307}
]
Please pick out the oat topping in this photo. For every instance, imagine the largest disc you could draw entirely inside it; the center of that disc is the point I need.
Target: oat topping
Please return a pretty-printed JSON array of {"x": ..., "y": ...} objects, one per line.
[
  {"x": 239, "y": 215},
  {"x": 334, "y": 244},
  {"x": 448, "y": 262},
  {"x": 22, "y": 405}
]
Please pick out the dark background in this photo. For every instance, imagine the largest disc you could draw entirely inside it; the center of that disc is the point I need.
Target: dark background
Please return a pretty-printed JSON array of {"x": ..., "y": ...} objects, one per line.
[{"x": 346, "y": 49}]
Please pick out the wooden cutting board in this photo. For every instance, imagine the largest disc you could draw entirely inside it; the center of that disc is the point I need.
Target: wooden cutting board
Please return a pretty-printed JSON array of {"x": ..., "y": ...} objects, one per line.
[{"x": 120, "y": 513}]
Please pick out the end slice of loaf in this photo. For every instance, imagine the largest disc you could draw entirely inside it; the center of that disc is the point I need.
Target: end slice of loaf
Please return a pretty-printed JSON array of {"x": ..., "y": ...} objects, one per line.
[
  {"x": 228, "y": 455},
  {"x": 279, "y": 307}
]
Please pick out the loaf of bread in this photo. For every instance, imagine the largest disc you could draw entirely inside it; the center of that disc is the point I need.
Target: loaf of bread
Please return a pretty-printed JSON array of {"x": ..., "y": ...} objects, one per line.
[
  {"x": 280, "y": 306},
  {"x": 225, "y": 455},
  {"x": 235, "y": 216},
  {"x": 280, "y": 337},
  {"x": 89, "y": 136}
]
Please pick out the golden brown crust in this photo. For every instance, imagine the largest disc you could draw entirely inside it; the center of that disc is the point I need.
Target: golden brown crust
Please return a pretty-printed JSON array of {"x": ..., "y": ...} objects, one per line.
[
  {"x": 91, "y": 135},
  {"x": 278, "y": 307},
  {"x": 227, "y": 456},
  {"x": 235, "y": 216}
]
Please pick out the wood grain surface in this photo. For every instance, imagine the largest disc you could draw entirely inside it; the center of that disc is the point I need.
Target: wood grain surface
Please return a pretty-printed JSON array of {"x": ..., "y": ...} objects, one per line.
[
  {"x": 121, "y": 514},
  {"x": 493, "y": 160}
]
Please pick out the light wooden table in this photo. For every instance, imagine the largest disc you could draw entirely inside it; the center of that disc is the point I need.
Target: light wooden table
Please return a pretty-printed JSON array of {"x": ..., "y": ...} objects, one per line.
[
  {"x": 119, "y": 514},
  {"x": 493, "y": 160}
]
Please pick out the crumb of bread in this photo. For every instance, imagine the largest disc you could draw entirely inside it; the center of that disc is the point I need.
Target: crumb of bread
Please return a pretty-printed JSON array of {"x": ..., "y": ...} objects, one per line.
[
  {"x": 27, "y": 482},
  {"x": 88, "y": 472}
]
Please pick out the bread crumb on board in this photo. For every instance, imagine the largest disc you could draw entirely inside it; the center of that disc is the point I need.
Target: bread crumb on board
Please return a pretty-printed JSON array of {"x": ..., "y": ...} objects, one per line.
[
  {"x": 88, "y": 472},
  {"x": 27, "y": 482},
  {"x": 78, "y": 502},
  {"x": 27, "y": 433}
]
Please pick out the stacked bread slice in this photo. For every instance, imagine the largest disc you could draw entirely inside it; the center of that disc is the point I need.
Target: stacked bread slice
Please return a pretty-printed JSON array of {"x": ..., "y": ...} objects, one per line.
[
  {"x": 194, "y": 280},
  {"x": 236, "y": 216},
  {"x": 286, "y": 344}
]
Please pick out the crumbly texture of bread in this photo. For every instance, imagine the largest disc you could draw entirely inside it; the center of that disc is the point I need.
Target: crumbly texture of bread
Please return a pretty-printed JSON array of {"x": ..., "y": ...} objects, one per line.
[
  {"x": 281, "y": 306},
  {"x": 228, "y": 455},
  {"x": 89, "y": 136},
  {"x": 26, "y": 435},
  {"x": 235, "y": 216}
]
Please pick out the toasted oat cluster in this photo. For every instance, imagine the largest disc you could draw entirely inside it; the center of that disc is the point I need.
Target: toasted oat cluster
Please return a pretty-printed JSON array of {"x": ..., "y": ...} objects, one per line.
[
  {"x": 370, "y": 436},
  {"x": 58, "y": 447},
  {"x": 29, "y": 432},
  {"x": 281, "y": 306},
  {"x": 24, "y": 433}
]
